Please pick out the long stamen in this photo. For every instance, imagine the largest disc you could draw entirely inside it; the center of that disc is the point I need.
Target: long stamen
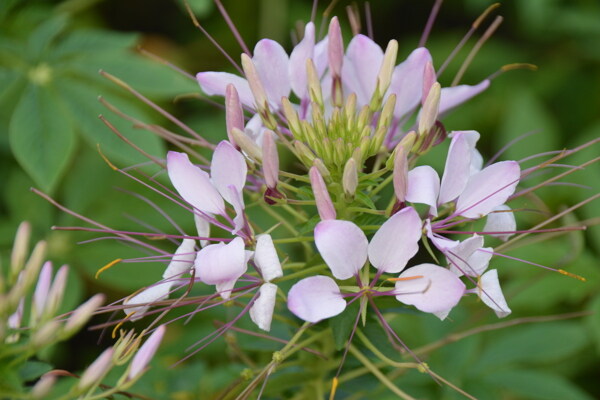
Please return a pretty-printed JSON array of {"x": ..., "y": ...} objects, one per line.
[
  {"x": 430, "y": 21},
  {"x": 487, "y": 34}
]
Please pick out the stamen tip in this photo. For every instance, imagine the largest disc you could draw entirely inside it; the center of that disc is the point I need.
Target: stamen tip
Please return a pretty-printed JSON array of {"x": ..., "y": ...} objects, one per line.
[
  {"x": 107, "y": 266},
  {"x": 334, "y": 385},
  {"x": 572, "y": 275}
]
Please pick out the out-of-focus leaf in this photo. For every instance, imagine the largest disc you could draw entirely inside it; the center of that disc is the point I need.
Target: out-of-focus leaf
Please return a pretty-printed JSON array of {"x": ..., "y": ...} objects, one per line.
[
  {"x": 536, "y": 385},
  {"x": 43, "y": 36},
  {"x": 548, "y": 342},
  {"x": 147, "y": 77},
  {"x": 200, "y": 8},
  {"x": 92, "y": 41},
  {"x": 84, "y": 106},
  {"x": 12, "y": 84},
  {"x": 33, "y": 369},
  {"x": 526, "y": 113},
  {"x": 341, "y": 325},
  {"x": 593, "y": 321},
  {"x": 41, "y": 135}
]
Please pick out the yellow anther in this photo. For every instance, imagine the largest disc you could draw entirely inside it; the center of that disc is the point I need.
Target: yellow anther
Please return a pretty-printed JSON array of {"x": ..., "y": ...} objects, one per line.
[
  {"x": 114, "y": 331},
  {"x": 423, "y": 368},
  {"x": 106, "y": 160},
  {"x": 334, "y": 386},
  {"x": 408, "y": 278},
  {"x": 107, "y": 266},
  {"x": 571, "y": 275}
]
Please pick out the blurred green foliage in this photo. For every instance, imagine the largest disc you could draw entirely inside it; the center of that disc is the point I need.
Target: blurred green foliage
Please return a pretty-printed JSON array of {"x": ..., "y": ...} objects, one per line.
[{"x": 51, "y": 51}]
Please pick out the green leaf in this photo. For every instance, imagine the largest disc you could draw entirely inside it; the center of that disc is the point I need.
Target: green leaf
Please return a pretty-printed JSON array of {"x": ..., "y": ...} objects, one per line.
[
  {"x": 341, "y": 325},
  {"x": 548, "y": 342},
  {"x": 84, "y": 106},
  {"x": 148, "y": 77},
  {"x": 93, "y": 41},
  {"x": 42, "y": 37},
  {"x": 537, "y": 385},
  {"x": 33, "y": 369},
  {"x": 41, "y": 136},
  {"x": 527, "y": 114}
]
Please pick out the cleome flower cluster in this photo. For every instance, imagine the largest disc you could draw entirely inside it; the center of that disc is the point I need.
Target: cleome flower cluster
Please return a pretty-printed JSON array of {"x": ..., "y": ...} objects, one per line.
[{"x": 354, "y": 123}]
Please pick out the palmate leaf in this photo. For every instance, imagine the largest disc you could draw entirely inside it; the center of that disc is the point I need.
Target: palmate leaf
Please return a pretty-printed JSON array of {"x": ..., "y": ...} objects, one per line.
[{"x": 41, "y": 135}]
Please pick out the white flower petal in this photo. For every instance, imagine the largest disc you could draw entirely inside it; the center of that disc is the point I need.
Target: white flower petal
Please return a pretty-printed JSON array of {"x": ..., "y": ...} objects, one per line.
[
  {"x": 152, "y": 294},
  {"x": 215, "y": 84},
  {"x": 458, "y": 167},
  {"x": 501, "y": 221},
  {"x": 182, "y": 260},
  {"x": 272, "y": 65},
  {"x": 343, "y": 246},
  {"x": 396, "y": 241},
  {"x": 491, "y": 293},
  {"x": 261, "y": 311},
  {"x": 203, "y": 228},
  {"x": 423, "y": 187},
  {"x": 456, "y": 95},
  {"x": 361, "y": 67},
  {"x": 193, "y": 184},
  {"x": 228, "y": 167},
  {"x": 303, "y": 51},
  {"x": 407, "y": 81},
  {"x": 266, "y": 258},
  {"x": 316, "y": 298},
  {"x": 488, "y": 189},
  {"x": 221, "y": 264},
  {"x": 434, "y": 290}
]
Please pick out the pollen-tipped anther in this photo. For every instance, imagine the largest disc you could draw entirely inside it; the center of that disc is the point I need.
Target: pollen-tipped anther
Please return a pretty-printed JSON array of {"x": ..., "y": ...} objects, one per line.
[{"x": 247, "y": 145}]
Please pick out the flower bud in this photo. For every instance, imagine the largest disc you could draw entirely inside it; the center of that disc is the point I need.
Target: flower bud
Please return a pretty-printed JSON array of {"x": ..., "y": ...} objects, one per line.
[
  {"x": 96, "y": 371},
  {"x": 350, "y": 178},
  {"x": 304, "y": 153},
  {"x": 56, "y": 292},
  {"x": 400, "y": 178},
  {"x": 258, "y": 91},
  {"x": 314, "y": 84},
  {"x": 233, "y": 112},
  {"x": 42, "y": 388},
  {"x": 46, "y": 335},
  {"x": 82, "y": 314},
  {"x": 430, "y": 109},
  {"x": 317, "y": 162},
  {"x": 429, "y": 79},
  {"x": 335, "y": 52},
  {"x": 145, "y": 353},
  {"x": 41, "y": 291},
  {"x": 324, "y": 203},
  {"x": 124, "y": 347},
  {"x": 246, "y": 144},
  {"x": 387, "y": 67},
  {"x": 20, "y": 249},
  {"x": 270, "y": 160},
  {"x": 26, "y": 277}
]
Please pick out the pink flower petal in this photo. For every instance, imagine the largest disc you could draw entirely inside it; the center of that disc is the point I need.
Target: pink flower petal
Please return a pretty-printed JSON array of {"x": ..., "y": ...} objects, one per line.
[
  {"x": 488, "y": 189},
  {"x": 202, "y": 227},
  {"x": 396, "y": 241},
  {"x": 144, "y": 355},
  {"x": 221, "y": 264},
  {"x": 407, "y": 81},
  {"x": 193, "y": 184},
  {"x": 303, "y": 51},
  {"x": 437, "y": 290},
  {"x": 320, "y": 56},
  {"x": 502, "y": 221},
  {"x": 272, "y": 65},
  {"x": 182, "y": 260},
  {"x": 316, "y": 298},
  {"x": 466, "y": 258},
  {"x": 458, "y": 167},
  {"x": 266, "y": 258},
  {"x": 215, "y": 84},
  {"x": 454, "y": 96},
  {"x": 261, "y": 311},
  {"x": 423, "y": 187},
  {"x": 343, "y": 246},
  {"x": 151, "y": 294},
  {"x": 361, "y": 67},
  {"x": 228, "y": 167},
  {"x": 237, "y": 200},
  {"x": 491, "y": 293}
]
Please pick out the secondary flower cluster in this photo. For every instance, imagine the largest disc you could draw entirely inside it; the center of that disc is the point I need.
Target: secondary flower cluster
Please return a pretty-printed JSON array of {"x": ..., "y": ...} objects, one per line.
[{"x": 351, "y": 107}]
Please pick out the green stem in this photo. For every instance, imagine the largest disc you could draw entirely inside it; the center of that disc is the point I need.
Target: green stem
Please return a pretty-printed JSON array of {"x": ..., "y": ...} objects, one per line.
[{"x": 382, "y": 185}]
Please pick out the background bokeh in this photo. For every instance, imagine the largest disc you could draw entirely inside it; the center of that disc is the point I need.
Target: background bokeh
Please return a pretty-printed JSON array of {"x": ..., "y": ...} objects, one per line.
[{"x": 50, "y": 54}]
